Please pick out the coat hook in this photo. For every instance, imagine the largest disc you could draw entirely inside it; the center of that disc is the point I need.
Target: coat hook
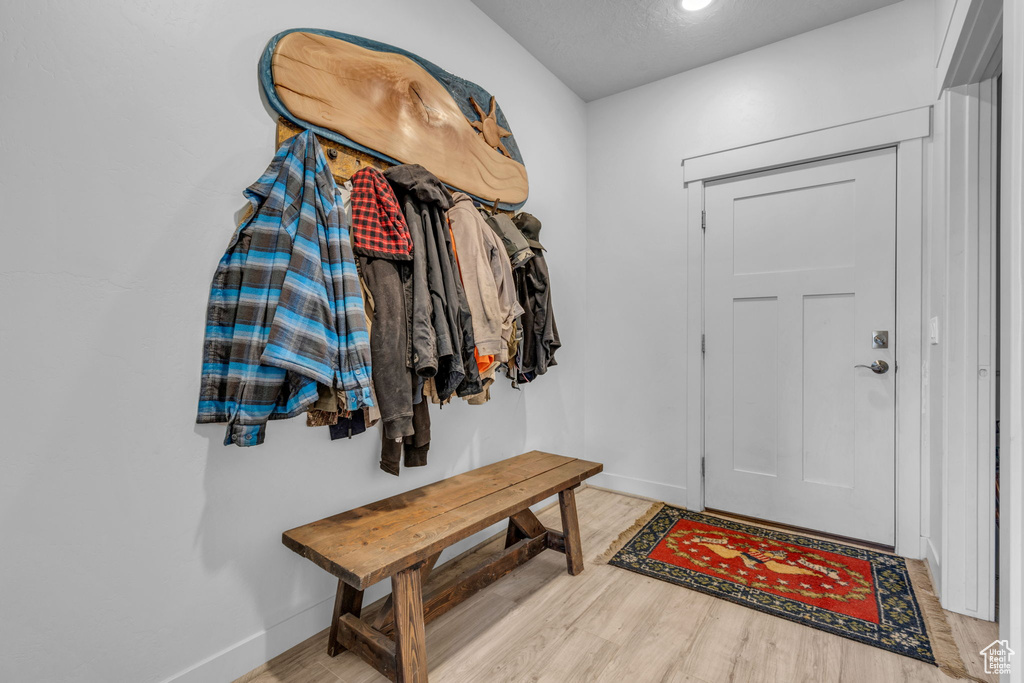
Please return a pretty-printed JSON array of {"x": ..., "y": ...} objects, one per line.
[
  {"x": 332, "y": 153},
  {"x": 494, "y": 208}
]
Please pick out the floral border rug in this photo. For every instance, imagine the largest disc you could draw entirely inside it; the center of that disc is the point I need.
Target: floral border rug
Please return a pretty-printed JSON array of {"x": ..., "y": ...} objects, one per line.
[{"x": 852, "y": 592}]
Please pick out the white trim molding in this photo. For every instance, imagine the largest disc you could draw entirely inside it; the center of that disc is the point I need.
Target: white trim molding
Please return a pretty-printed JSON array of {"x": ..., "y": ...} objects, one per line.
[
  {"x": 641, "y": 488},
  {"x": 259, "y": 648},
  {"x": 968, "y": 417},
  {"x": 903, "y": 130},
  {"x": 249, "y": 655},
  {"x": 1011, "y": 405},
  {"x": 861, "y": 136},
  {"x": 910, "y": 349},
  {"x": 971, "y": 49},
  {"x": 694, "y": 360}
]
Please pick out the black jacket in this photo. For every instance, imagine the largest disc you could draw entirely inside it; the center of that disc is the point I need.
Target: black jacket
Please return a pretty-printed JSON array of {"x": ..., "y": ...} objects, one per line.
[
  {"x": 389, "y": 283},
  {"x": 540, "y": 334},
  {"x": 442, "y": 327}
]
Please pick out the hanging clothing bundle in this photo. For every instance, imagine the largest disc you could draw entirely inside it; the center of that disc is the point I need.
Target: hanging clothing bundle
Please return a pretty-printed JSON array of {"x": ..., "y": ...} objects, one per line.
[
  {"x": 540, "y": 334},
  {"x": 487, "y": 276},
  {"x": 444, "y": 310},
  {"x": 278, "y": 320},
  {"x": 319, "y": 279},
  {"x": 519, "y": 251},
  {"x": 385, "y": 248}
]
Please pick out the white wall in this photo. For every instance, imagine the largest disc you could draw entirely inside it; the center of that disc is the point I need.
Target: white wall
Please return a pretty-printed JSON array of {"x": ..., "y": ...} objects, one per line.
[
  {"x": 949, "y": 20},
  {"x": 135, "y": 544},
  {"x": 875, "y": 64}
]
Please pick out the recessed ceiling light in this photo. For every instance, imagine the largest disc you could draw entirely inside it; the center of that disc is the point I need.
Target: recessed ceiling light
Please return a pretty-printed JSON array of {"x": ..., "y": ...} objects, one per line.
[{"x": 694, "y": 5}]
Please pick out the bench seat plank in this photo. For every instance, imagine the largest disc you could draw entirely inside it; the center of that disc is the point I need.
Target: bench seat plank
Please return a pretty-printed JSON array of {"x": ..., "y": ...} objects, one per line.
[
  {"x": 383, "y": 517},
  {"x": 372, "y": 543}
]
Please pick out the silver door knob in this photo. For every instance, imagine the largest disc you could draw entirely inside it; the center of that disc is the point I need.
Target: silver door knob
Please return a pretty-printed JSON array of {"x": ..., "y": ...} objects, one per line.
[{"x": 879, "y": 367}]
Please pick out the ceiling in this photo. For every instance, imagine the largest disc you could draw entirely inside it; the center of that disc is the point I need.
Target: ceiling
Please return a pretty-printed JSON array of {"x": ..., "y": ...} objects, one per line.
[{"x": 601, "y": 47}]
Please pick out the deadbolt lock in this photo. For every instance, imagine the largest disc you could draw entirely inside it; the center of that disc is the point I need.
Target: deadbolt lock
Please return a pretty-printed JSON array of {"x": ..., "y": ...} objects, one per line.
[{"x": 880, "y": 339}]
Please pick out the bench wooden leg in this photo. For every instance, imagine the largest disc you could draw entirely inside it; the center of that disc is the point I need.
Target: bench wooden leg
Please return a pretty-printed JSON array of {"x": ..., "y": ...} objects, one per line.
[
  {"x": 571, "y": 531},
  {"x": 523, "y": 524},
  {"x": 347, "y": 601},
  {"x": 385, "y": 619},
  {"x": 410, "y": 638},
  {"x": 512, "y": 535}
]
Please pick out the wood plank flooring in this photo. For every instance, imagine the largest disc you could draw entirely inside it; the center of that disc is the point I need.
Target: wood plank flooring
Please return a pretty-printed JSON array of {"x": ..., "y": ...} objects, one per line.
[{"x": 607, "y": 624}]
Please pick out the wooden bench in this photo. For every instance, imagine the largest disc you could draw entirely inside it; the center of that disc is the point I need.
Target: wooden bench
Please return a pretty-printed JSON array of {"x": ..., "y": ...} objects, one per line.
[{"x": 401, "y": 537}]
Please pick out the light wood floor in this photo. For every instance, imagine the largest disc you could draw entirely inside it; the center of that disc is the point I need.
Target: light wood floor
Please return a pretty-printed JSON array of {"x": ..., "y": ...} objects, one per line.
[{"x": 608, "y": 624}]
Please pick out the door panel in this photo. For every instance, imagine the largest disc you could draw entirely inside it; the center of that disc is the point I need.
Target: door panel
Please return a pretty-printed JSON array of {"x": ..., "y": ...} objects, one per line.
[
  {"x": 755, "y": 378},
  {"x": 800, "y": 270},
  {"x": 767, "y": 240},
  {"x": 829, "y": 436}
]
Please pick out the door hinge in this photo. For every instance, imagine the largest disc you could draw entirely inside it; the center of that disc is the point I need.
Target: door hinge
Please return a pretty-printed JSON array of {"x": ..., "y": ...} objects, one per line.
[
  {"x": 701, "y": 466},
  {"x": 702, "y": 345},
  {"x": 703, "y": 221}
]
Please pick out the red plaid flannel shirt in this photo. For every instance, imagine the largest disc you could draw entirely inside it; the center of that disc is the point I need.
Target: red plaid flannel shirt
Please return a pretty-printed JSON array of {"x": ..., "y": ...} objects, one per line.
[{"x": 378, "y": 225}]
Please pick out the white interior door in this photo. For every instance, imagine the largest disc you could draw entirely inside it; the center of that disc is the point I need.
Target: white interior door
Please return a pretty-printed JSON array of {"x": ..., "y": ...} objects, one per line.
[{"x": 800, "y": 272}]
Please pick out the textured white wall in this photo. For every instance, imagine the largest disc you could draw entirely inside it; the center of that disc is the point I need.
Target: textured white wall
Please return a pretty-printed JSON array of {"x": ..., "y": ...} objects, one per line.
[
  {"x": 135, "y": 544},
  {"x": 948, "y": 13},
  {"x": 874, "y": 64}
]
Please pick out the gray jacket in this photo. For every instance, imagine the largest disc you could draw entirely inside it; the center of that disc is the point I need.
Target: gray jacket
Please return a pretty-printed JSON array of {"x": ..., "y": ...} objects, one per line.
[{"x": 519, "y": 251}]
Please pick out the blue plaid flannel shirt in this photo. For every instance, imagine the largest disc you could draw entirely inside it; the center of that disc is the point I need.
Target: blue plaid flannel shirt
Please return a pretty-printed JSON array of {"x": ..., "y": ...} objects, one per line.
[{"x": 286, "y": 309}]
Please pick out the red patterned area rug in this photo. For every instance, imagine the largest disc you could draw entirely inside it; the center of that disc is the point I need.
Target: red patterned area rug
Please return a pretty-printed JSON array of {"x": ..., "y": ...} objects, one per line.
[{"x": 852, "y": 592}]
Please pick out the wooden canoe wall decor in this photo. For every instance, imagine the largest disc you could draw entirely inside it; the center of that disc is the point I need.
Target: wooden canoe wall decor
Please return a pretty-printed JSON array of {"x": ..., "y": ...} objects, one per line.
[{"x": 394, "y": 106}]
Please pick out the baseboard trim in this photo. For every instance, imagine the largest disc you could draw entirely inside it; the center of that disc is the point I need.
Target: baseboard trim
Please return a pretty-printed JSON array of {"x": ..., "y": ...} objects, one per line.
[
  {"x": 931, "y": 556},
  {"x": 623, "y": 493},
  {"x": 245, "y": 658},
  {"x": 640, "y": 488},
  {"x": 259, "y": 648}
]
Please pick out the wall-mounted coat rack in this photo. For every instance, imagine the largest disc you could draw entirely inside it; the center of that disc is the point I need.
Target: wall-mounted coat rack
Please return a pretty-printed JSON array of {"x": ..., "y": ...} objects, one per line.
[
  {"x": 344, "y": 161},
  {"x": 373, "y": 103}
]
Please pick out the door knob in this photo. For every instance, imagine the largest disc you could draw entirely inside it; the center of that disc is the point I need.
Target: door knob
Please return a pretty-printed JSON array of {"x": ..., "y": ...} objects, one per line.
[{"x": 879, "y": 367}]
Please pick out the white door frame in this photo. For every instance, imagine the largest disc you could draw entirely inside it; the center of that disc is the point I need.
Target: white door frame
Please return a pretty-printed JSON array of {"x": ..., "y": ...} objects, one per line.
[
  {"x": 1011, "y": 425},
  {"x": 904, "y": 131},
  {"x": 970, "y": 55},
  {"x": 966, "y": 567}
]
